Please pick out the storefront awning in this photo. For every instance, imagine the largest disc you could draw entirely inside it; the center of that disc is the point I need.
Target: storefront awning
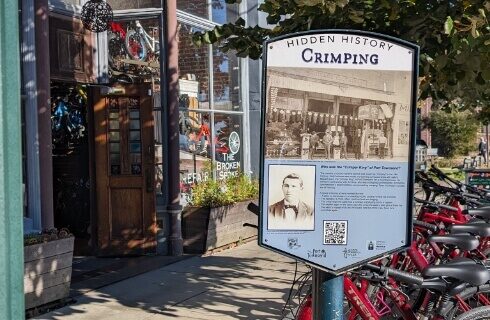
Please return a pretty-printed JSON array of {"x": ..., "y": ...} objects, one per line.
[{"x": 374, "y": 112}]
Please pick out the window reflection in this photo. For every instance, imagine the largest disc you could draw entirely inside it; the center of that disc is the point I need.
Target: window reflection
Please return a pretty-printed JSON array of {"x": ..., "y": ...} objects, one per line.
[
  {"x": 195, "y": 133},
  {"x": 195, "y": 149},
  {"x": 132, "y": 4},
  {"x": 223, "y": 12},
  {"x": 226, "y": 75},
  {"x": 196, "y": 7},
  {"x": 194, "y": 71}
]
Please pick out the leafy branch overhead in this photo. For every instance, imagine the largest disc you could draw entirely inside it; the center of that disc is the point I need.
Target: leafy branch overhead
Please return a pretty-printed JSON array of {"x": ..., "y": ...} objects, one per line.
[{"x": 453, "y": 35}]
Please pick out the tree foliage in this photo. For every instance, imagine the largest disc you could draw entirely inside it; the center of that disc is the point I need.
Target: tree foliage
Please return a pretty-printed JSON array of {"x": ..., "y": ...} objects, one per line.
[
  {"x": 453, "y": 35},
  {"x": 454, "y": 133}
]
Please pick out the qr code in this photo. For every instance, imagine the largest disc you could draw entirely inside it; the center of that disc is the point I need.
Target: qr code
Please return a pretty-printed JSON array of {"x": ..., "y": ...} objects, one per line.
[{"x": 334, "y": 232}]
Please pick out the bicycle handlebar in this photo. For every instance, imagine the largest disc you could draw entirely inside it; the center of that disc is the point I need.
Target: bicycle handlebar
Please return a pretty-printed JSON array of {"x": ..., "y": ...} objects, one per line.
[
  {"x": 399, "y": 275},
  {"x": 438, "y": 205},
  {"x": 426, "y": 225}
]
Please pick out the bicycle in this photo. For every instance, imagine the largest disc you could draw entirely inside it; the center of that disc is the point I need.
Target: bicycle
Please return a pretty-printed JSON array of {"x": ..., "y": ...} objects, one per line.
[
  {"x": 139, "y": 44},
  {"x": 133, "y": 53},
  {"x": 68, "y": 122}
]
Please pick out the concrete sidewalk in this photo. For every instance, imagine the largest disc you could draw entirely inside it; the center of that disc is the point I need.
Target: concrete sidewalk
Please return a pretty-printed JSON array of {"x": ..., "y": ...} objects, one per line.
[{"x": 246, "y": 282}]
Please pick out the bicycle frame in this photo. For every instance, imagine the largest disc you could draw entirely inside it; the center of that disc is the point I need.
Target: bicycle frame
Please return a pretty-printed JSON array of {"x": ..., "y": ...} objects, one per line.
[
  {"x": 146, "y": 37},
  {"x": 365, "y": 309}
]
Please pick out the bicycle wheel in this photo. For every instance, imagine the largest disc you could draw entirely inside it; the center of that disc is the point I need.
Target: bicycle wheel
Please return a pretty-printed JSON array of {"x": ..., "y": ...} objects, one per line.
[
  {"x": 479, "y": 313},
  {"x": 135, "y": 45},
  {"x": 474, "y": 297}
]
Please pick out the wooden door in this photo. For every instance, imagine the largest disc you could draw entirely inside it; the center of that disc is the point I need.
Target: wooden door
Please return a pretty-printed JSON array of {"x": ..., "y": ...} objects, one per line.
[{"x": 124, "y": 170}]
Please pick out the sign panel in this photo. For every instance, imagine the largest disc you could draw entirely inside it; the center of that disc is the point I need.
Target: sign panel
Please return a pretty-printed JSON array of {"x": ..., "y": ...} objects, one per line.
[
  {"x": 479, "y": 178},
  {"x": 337, "y": 174}
]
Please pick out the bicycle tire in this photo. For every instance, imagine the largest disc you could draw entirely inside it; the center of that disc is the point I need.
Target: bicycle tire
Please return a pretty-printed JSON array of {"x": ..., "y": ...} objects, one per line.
[
  {"x": 479, "y": 313},
  {"x": 135, "y": 45},
  {"x": 469, "y": 294}
]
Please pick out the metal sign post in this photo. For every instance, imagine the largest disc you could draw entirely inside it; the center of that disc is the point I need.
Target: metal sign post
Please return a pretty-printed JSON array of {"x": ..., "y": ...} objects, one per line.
[
  {"x": 337, "y": 150},
  {"x": 328, "y": 296}
]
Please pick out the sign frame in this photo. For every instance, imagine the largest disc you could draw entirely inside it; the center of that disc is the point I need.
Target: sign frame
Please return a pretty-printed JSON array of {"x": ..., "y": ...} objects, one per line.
[{"x": 411, "y": 144}]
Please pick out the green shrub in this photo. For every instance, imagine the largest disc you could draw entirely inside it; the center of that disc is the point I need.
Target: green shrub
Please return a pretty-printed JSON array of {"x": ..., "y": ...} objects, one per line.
[
  {"x": 224, "y": 192},
  {"x": 453, "y": 132},
  {"x": 447, "y": 163}
]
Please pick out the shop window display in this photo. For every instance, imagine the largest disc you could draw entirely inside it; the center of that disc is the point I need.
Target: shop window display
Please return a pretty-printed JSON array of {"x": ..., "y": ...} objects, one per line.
[
  {"x": 195, "y": 148},
  {"x": 134, "y": 51}
]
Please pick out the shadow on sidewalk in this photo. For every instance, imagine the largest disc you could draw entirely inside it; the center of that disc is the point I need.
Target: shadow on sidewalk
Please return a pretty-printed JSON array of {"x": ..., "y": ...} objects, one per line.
[{"x": 253, "y": 285}]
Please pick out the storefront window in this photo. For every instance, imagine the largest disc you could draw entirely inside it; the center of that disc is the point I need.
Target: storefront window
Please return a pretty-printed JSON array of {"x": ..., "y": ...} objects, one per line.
[
  {"x": 198, "y": 8},
  {"x": 134, "y": 51},
  {"x": 133, "y": 4},
  {"x": 223, "y": 12},
  {"x": 195, "y": 148},
  {"x": 226, "y": 77},
  {"x": 228, "y": 145},
  {"x": 194, "y": 70}
]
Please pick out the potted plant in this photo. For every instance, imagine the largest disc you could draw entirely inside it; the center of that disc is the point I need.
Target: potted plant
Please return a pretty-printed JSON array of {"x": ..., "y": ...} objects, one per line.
[
  {"x": 217, "y": 212},
  {"x": 48, "y": 259}
]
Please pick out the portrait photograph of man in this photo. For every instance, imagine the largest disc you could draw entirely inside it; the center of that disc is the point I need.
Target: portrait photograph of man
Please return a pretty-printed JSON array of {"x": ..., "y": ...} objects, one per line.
[{"x": 291, "y": 207}]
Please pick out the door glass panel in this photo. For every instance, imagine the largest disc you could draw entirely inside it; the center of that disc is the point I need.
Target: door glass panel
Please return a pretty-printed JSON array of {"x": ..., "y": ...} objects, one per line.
[
  {"x": 114, "y": 147},
  {"x": 135, "y": 163},
  {"x": 134, "y": 136},
  {"x": 135, "y": 157},
  {"x": 134, "y": 124},
  {"x": 134, "y": 102},
  {"x": 115, "y": 158},
  {"x": 135, "y": 147},
  {"x": 114, "y": 136},
  {"x": 136, "y": 168},
  {"x": 134, "y": 114},
  {"x": 114, "y": 124}
]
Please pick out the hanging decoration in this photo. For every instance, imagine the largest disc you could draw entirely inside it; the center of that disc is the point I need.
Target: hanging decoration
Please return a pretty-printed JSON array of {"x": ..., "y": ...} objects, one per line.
[{"x": 96, "y": 15}]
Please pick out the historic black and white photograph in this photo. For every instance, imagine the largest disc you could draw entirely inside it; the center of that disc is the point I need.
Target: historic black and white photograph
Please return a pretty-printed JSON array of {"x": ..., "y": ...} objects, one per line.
[
  {"x": 337, "y": 114},
  {"x": 291, "y": 197}
]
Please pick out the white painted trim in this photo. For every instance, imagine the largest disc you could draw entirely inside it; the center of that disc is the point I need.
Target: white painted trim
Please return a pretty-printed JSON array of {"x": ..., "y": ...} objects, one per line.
[
  {"x": 28, "y": 53},
  {"x": 245, "y": 98}
]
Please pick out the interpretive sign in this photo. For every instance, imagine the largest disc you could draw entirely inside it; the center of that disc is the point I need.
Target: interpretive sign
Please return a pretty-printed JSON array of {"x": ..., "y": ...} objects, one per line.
[
  {"x": 338, "y": 143},
  {"x": 479, "y": 178}
]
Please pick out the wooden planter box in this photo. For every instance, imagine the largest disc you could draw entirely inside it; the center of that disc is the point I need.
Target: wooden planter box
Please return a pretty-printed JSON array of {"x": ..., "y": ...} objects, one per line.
[
  {"x": 205, "y": 229},
  {"x": 47, "y": 271}
]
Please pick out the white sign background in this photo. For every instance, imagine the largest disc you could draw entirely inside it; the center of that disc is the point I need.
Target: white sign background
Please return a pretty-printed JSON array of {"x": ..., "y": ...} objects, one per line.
[{"x": 297, "y": 52}]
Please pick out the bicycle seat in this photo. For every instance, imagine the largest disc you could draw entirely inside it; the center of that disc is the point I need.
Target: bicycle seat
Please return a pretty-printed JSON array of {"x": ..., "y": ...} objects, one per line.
[
  {"x": 474, "y": 274},
  {"x": 460, "y": 261},
  {"x": 483, "y": 212},
  {"x": 463, "y": 241},
  {"x": 481, "y": 229}
]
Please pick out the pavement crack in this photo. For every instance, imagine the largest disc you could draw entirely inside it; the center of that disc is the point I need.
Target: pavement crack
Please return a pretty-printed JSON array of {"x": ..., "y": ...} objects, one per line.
[{"x": 167, "y": 308}]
